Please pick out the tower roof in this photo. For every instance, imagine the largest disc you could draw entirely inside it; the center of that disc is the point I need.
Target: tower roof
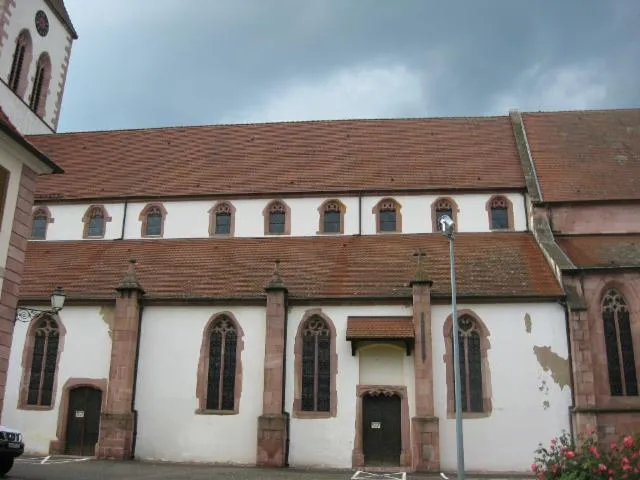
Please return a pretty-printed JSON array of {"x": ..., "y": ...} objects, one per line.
[{"x": 61, "y": 12}]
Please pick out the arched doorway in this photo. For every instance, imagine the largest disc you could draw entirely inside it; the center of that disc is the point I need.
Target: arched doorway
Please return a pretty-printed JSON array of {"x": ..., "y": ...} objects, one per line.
[
  {"x": 381, "y": 429},
  {"x": 83, "y": 421}
]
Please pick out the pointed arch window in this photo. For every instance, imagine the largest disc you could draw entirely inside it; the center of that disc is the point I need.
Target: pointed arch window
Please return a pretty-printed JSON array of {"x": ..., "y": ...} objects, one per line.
[
  {"x": 444, "y": 206},
  {"x": 20, "y": 63},
  {"x": 220, "y": 369},
  {"x": 277, "y": 217},
  {"x": 388, "y": 217},
  {"x": 95, "y": 220},
  {"x": 500, "y": 213},
  {"x": 40, "y": 220},
  {"x": 41, "y": 81},
  {"x": 153, "y": 217},
  {"x": 473, "y": 342},
  {"x": 222, "y": 219},
  {"x": 43, "y": 362},
  {"x": 316, "y": 366},
  {"x": 619, "y": 345}
]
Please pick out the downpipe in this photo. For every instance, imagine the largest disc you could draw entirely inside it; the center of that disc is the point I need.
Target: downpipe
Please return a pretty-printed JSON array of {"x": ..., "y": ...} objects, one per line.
[{"x": 135, "y": 384}]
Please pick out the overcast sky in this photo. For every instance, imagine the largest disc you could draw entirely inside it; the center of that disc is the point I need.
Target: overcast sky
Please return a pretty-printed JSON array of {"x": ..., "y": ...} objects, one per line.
[{"x": 150, "y": 63}]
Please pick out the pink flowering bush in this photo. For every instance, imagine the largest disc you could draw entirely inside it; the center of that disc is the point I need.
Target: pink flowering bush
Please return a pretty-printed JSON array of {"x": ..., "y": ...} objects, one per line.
[{"x": 585, "y": 460}]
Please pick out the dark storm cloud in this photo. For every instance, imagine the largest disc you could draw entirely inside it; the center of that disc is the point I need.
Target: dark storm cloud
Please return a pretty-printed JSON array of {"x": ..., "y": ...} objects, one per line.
[{"x": 159, "y": 62}]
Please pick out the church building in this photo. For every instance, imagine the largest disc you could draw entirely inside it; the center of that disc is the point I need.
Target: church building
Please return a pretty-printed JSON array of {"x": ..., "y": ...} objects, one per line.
[{"x": 279, "y": 294}]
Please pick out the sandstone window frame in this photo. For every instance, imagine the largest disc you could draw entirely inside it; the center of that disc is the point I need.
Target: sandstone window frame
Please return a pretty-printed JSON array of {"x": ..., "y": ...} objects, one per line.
[
  {"x": 331, "y": 205},
  {"x": 500, "y": 201},
  {"x": 202, "y": 383},
  {"x": 485, "y": 346},
  {"x": 223, "y": 207},
  {"x": 90, "y": 213},
  {"x": 305, "y": 322},
  {"x": 149, "y": 208},
  {"x": 277, "y": 207},
  {"x": 439, "y": 204},
  {"x": 388, "y": 204},
  {"x": 39, "y": 212},
  {"x": 28, "y": 353}
]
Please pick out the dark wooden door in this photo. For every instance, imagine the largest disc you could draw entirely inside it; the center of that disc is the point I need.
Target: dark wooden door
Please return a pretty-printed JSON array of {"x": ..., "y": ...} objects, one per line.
[
  {"x": 381, "y": 424},
  {"x": 83, "y": 421}
]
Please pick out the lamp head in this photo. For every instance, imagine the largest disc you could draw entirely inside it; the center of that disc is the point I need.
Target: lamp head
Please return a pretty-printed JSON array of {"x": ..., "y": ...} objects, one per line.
[
  {"x": 57, "y": 299},
  {"x": 447, "y": 225}
]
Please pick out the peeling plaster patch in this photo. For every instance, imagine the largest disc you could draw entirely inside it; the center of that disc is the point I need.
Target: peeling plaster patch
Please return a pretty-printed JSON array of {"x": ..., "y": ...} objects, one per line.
[
  {"x": 527, "y": 322},
  {"x": 108, "y": 314},
  {"x": 546, "y": 404},
  {"x": 553, "y": 363}
]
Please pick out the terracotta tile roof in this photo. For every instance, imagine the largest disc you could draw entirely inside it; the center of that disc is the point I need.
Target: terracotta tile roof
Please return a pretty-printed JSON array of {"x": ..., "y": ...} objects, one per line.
[
  {"x": 602, "y": 250},
  {"x": 276, "y": 158},
  {"x": 379, "y": 327},
  {"x": 10, "y": 129},
  {"x": 489, "y": 264},
  {"x": 586, "y": 155},
  {"x": 61, "y": 11}
]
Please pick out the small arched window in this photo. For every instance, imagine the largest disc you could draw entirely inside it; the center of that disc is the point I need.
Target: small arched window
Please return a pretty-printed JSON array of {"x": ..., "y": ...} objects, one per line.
[
  {"x": 277, "y": 218},
  {"x": 388, "y": 217},
  {"x": 43, "y": 362},
  {"x": 20, "y": 64},
  {"x": 618, "y": 340},
  {"x": 500, "y": 214},
  {"x": 152, "y": 217},
  {"x": 40, "y": 220},
  {"x": 221, "y": 374},
  {"x": 444, "y": 206},
  {"x": 222, "y": 220},
  {"x": 332, "y": 217},
  {"x": 41, "y": 81},
  {"x": 95, "y": 220}
]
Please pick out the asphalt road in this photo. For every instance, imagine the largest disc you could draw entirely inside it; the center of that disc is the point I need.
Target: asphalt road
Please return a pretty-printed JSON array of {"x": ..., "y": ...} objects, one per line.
[{"x": 65, "y": 468}]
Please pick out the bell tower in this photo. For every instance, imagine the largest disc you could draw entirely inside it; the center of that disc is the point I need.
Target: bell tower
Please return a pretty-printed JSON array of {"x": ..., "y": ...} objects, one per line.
[{"x": 35, "y": 47}]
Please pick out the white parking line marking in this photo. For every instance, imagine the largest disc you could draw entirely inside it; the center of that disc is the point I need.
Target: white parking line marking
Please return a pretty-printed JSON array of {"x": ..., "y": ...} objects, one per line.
[
  {"x": 44, "y": 460},
  {"x": 360, "y": 475}
]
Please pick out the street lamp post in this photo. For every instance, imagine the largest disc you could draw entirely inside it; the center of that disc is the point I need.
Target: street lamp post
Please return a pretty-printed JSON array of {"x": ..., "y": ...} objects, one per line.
[
  {"x": 57, "y": 302},
  {"x": 447, "y": 225}
]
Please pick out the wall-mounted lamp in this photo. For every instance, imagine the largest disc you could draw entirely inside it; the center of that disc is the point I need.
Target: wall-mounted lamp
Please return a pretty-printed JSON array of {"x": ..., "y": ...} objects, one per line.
[{"x": 57, "y": 302}]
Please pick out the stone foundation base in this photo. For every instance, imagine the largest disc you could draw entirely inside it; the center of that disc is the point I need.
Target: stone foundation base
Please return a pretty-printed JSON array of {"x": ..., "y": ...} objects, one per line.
[
  {"x": 116, "y": 436},
  {"x": 426, "y": 444},
  {"x": 272, "y": 440}
]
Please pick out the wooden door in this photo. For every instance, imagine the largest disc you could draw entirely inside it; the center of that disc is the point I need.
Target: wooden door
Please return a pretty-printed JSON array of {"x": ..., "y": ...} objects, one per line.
[
  {"x": 83, "y": 421},
  {"x": 381, "y": 436}
]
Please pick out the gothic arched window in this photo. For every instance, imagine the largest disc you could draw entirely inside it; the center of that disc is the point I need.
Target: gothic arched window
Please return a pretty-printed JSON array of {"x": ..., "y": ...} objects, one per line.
[
  {"x": 316, "y": 366},
  {"x": 221, "y": 373},
  {"x": 619, "y": 344},
  {"x": 43, "y": 362}
]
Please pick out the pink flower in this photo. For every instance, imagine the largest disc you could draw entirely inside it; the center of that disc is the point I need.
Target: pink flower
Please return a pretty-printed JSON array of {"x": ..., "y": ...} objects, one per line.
[
  {"x": 594, "y": 452},
  {"x": 534, "y": 468},
  {"x": 628, "y": 441},
  {"x": 570, "y": 454},
  {"x": 602, "y": 467}
]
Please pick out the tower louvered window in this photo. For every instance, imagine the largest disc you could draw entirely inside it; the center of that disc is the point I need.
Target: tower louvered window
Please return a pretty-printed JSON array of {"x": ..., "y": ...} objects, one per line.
[{"x": 316, "y": 366}]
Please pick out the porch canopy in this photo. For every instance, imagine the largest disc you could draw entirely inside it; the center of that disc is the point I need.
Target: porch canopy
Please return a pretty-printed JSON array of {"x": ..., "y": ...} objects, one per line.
[{"x": 380, "y": 329}]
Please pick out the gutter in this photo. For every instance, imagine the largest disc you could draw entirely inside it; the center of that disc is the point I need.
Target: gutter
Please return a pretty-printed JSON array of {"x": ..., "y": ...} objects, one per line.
[
  {"x": 286, "y": 414},
  {"x": 570, "y": 362},
  {"x": 124, "y": 219}
]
